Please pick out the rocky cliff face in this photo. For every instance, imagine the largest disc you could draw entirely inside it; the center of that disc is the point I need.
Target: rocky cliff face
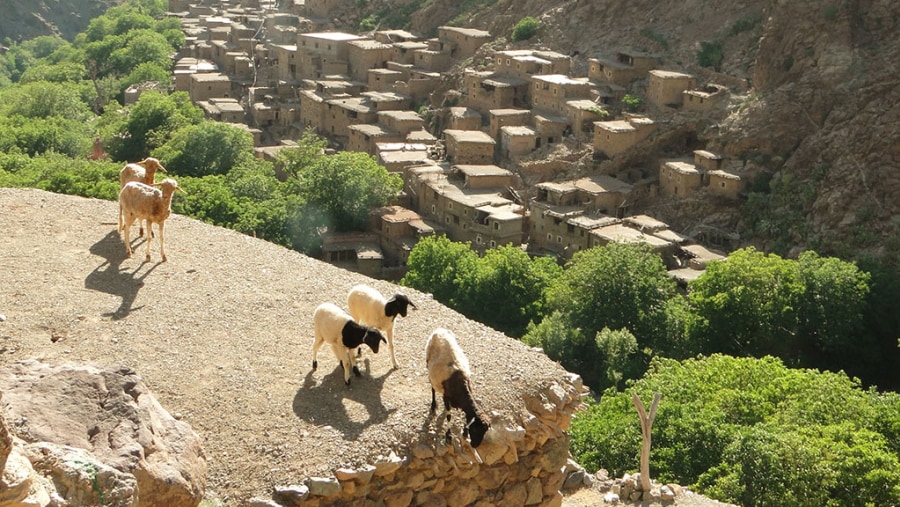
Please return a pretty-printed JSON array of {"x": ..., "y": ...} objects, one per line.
[{"x": 27, "y": 19}]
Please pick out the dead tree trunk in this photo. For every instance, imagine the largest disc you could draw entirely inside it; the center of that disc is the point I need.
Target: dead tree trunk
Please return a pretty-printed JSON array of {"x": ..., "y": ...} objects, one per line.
[{"x": 646, "y": 424}]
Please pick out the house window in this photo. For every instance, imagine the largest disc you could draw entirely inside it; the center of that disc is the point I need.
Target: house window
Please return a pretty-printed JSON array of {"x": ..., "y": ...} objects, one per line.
[
  {"x": 466, "y": 211},
  {"x": 493, "y": 244},
  {"x": 478, "y": 239},
  {"x": 496, "y": 226},
  {"x": 549, "y": 237},
  {"x": 433, "y": 209},
  {"x": 722, "y": 184},
  {"x": 446, "y": 220},
  {"x": 559, "y": 239},
  {"x": 450, "y": 205}
]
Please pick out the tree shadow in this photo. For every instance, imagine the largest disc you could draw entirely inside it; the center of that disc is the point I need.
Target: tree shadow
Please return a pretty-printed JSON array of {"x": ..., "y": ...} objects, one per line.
[
  {"x": 323, "y": 403},
  {"x": 110, "y": 277}
]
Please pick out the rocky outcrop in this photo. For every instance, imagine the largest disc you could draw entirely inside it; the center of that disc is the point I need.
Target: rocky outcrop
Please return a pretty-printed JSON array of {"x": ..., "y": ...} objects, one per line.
[
  {"x": 98, "y": 436},
  {"x": 520, "y": 462}
]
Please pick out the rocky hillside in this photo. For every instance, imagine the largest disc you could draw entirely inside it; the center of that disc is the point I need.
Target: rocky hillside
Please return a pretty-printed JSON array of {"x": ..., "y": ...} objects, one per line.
[{"x": 27, "y": 19}]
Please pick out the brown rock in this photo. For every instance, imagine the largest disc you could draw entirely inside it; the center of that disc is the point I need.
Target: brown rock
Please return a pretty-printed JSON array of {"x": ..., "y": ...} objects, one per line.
[{"x": 112, "y": 414}]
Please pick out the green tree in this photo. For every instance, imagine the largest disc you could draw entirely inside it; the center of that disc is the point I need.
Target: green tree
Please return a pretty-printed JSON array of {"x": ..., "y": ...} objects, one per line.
[
  {"x": 525, "y": 29},
  {"x": 435, "y": 265},
  {"x": 206, "y": 148},
  {"x": 808, "y": 312},
  {"x": 346, "y": 187},
  {"x": 506, "y": 289},
  {"x": 751, "y": 431},
  {"x": 147, "y": 125},
  {"x": 619, "y": 348}
]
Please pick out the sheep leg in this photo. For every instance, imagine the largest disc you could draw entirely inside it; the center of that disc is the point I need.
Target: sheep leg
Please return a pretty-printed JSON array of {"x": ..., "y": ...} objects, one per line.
[
  {"x": 447, "y": 406},
  {"x": 127, "y": 228},
  {"x": 353, "y": 362},
  {"x": 390, "y": 340},
  {"x": 347, "y": 367},
  {"x": 316, "y": 346},
  {"x": 162, "y": 239},
  {"x": 433, "y": 401}
]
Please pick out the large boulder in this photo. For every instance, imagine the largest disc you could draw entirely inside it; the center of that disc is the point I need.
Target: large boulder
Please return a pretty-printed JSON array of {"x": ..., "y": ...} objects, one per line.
[{"x": 110, "y": 413}]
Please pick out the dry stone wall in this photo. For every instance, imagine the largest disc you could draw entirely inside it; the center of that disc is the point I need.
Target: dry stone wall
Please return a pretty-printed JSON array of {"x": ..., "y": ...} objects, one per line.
[{"x": 521, "y": 462}]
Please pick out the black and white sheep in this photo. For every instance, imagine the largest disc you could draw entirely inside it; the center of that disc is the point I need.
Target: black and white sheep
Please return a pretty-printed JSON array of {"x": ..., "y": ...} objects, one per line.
[
  {"x": 336, "y": 327},
  {"x": 448, "y": 371},
  {"x": 369, "y": 307},
  {"x": 138, "y": 201},
  {"x": 142, "y": 172}
]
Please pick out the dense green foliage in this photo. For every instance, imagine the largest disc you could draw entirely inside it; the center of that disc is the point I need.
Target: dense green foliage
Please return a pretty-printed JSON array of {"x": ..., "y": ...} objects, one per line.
[
  {"x": 525, "y": 28},
  {"x": 752, "y": 431},
  {"x": 503, "y": 289}
]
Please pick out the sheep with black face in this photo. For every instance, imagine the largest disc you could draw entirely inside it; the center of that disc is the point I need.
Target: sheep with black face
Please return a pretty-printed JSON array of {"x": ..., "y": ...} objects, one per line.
[
  {"x": 369, "y": 307},
  {"x": 448, "y": 371},
  {"x": 334, "y": 326}
]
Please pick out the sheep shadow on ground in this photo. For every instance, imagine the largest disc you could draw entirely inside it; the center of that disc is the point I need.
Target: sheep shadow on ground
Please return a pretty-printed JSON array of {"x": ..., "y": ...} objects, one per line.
[
  {"x": 110, "y": 277},
  {"x": 349, "y": 409}
]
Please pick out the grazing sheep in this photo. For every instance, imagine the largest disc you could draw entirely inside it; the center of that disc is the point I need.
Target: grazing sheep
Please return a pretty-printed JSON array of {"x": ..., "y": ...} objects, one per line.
[
  {"x": 338, "y": 329},
  {"x": 143, "y": 172},
  {"x": 138, "y": 201},
  {"x": 448, "y": 371},
  {"x": 368, "y": 307}
]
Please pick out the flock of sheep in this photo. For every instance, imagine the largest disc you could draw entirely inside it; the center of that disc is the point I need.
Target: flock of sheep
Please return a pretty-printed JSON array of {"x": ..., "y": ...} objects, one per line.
[{"x": 370, "y": 314}]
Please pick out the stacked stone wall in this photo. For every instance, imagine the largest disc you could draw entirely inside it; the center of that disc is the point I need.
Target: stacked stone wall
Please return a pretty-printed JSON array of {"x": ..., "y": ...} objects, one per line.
[{"x": 521, "y": 462}]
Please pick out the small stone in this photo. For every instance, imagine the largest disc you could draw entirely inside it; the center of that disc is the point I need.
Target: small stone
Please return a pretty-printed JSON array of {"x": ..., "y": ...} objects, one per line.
[{"x": 611, "y": 498}]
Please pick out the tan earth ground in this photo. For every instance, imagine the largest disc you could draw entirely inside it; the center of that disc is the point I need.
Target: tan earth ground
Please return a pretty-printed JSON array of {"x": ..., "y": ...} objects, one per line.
[{"x": 221, "y": 335}]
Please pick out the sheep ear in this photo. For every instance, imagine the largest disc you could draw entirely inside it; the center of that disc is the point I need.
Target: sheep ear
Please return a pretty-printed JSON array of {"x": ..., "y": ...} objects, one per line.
[
  {"x": 383, "y": 339},
  {"x": 183, "y": 191}
]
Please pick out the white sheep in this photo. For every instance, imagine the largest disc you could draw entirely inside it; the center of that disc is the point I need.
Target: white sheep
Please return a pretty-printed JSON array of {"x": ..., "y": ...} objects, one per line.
[
  {"x": 142, "y": 172},
  {"x": 448, "y": 371},
  {"x": 138, "y": 201},
  {"x": 369, "y": 307},
  {"x": 337, "y": 328}
]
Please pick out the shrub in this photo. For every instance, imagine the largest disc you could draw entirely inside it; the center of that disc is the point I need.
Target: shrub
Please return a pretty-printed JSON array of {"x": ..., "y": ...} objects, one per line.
[
  {"x": 525, "y": 28},
  {"x": 710, "y": 55}
]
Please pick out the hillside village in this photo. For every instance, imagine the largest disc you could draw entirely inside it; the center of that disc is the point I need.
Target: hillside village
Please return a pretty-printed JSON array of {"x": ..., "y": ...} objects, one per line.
[{"x": 492, "y": 143}]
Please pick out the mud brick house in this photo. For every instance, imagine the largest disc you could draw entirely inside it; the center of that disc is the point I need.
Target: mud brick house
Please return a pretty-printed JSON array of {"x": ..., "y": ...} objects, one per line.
[
  {"x": 398, "y": 230},
  {"x": 431, "y": 60},
  {"x": 396, "y": 161},
  {"x": 482, "y": 176},
  {"x": 324, "y": 53},
  {"x": 666, "y": 88},
  {"x": 621, "y": 233},
  {"x": 489, "y": 90},
  {"x": 507, "y": 118},
  {"x": 461, "y": 42},
  {"x": 415, "y": 179},
  {"x": 359, "y": 252},
  {"x": 401, "y": 121},
  {"x": 616, "y": 136},
  {"x": 549, "y": 91},
  {"x": 582, "y": 113},
  {"x": 382, "y": 80},
  {"x": 551, "y": 128},
  {"x": 418, "y": 85},
  {"x": 707, "y": 160},
  {"x": 285, "y": 59},
  {"x": 405, "y": 52},
  {"x": 725, "y": 184},
  {"x": 421, "y": 137},
  {"x": 678, "y": 178},
  {"x": 365, "y": 54},
  {"x": 469, "y": 147},
  {"x": 312, "y": 109},
  {"x": 622, "y": 68},
  {"x": 208, "y": 86},
  {"x": 705, "y": 99},
  {"x": 188, "y": 66},
  {"x": 364, "y": 137},
  {"x": 485, "y": 217},
  {"x": 523, "y": 63},
  {"x": 340, "y": 113},
  {"x": 223, "y": 110},
  {"x": 517, "y": 142},
  {"x": 465, "y": 118}
]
